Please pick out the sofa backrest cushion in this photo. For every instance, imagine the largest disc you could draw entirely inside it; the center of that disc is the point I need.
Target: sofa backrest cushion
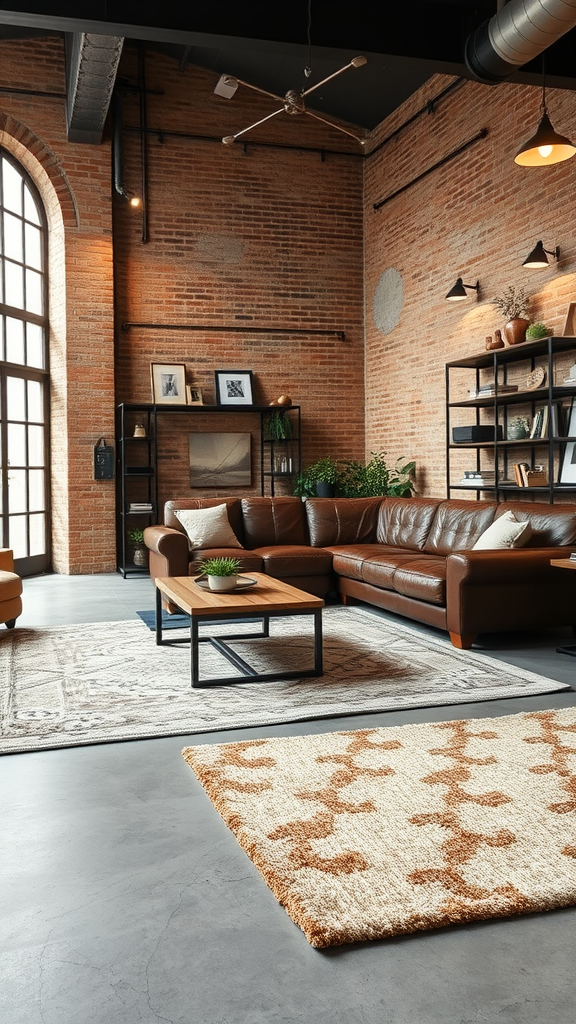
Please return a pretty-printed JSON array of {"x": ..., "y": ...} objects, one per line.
[
  {"x": 552, "y": 525},
  {"x": 273, "y": 521},
  {"x": 233, "y": 508},
  {"x": 406, "y": 522},
  {"x": 457, "y": 525},
  {"x": 342, "y": 520}
]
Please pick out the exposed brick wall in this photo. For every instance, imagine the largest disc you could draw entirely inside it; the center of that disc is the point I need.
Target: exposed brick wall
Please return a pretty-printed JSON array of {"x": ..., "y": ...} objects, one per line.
[{"x": 476, "y": 217}]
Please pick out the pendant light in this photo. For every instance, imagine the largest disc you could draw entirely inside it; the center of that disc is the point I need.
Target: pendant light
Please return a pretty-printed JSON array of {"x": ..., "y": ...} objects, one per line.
[{"x": 546, "y": 146}]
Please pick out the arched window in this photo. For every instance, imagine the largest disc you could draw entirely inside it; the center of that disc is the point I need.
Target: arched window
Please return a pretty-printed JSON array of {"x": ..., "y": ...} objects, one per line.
[{"x": 24, "y": 470}]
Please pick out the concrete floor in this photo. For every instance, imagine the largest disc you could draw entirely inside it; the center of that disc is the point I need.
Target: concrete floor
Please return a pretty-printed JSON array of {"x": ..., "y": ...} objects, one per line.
[{"x": 127, "y": 901}]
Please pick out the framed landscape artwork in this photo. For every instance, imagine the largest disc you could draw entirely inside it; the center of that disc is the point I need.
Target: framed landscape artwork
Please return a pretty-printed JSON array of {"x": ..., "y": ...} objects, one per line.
[
  {"x": 233, "y": 387},
  {"x": 168, "y": 383},
  {"x": 220, "y": 460}
]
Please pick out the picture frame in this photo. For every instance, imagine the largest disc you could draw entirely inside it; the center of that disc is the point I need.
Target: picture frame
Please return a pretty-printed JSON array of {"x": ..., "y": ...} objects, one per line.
[
  {"x": 568, "y": 470},
  {"x": 194, "y": 395},
  {"x": 220, "y": 460},
  {"x": 233, "y": 387},
  {"x": 168, "y": 383},
  {"x": 569, "y": 329}
]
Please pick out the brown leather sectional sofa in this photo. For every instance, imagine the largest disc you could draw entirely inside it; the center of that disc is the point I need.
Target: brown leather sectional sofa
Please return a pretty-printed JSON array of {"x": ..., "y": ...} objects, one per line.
[{"x": 411, "y": 556}]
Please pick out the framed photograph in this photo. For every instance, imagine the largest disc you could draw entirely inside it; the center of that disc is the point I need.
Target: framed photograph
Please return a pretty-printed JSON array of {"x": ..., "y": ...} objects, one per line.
[
  {"x": 569, "y": 329},
  {"x": 168, "y": 383},
  {"x": 568, "y": 471},
  {"x": 220, "y": 460},
  {"x": 233, "y": 387},
  {"x": 194, "y": 395}
]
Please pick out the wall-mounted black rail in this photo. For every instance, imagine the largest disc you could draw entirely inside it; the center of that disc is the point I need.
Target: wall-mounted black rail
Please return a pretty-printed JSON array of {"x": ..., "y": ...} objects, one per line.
[
  {"x": 445, "y": 159},
  {"x": 428, "y": 108},
  {"x": 246, "y": 328}
]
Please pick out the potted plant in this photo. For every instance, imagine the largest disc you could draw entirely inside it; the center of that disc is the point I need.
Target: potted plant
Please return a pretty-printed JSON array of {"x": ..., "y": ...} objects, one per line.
[
  {"x": 139, "y": 554},
  {"x": 278, "y": 426},
  {"x": 518, "y": 427},
  {"x": 538, "y": 330},
  {"x": 375, "y": 478},
  {"x": 320, "y": 479},
  {"x": 513, "y": 304},
  {"x": 222, "y": 572}
]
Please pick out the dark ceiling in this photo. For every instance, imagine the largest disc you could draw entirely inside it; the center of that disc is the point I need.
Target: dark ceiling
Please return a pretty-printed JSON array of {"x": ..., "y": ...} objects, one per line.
[{"x": 269, "y": 45}]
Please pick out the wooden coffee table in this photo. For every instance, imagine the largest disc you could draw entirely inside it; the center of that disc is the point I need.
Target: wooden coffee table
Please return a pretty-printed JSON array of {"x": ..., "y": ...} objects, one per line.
[{"x": 269, "y": 598}]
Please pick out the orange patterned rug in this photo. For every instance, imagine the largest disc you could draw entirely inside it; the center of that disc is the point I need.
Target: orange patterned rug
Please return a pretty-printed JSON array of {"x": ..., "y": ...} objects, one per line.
[{"x": 371, "y": 833}]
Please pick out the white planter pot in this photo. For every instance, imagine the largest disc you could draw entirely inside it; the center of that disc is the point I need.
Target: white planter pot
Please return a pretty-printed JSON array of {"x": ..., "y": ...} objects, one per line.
[{"x": 222, "y": 582}]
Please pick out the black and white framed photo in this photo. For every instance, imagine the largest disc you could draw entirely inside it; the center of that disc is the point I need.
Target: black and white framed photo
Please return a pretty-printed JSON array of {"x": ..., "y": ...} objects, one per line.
[
  {"x": 233, "y": 387},
  {"x": 568, "y": 471},
  {"x": 194, "y": 395},
  {"x": 168, "y": 383}
]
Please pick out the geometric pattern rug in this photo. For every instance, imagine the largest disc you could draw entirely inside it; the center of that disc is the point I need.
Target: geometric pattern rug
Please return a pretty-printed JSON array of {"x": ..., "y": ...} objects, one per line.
[
  {"x": 371, "y": 833},
  {"x": 98, "y": 683}
]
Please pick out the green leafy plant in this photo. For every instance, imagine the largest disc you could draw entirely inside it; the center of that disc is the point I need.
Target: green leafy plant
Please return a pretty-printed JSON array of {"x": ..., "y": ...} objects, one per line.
[
  {"x": 278, "y": 426},
  {"x": 518, "y": 427},
  {"x": 224, "y": 566},
  {"x": 359, "y": 480},
  {"x": 538, "y": 330},
  {"x": 513, "y": 303},
  {"x": 324, "y": 471},
  {"x": 136, "y": 535}
]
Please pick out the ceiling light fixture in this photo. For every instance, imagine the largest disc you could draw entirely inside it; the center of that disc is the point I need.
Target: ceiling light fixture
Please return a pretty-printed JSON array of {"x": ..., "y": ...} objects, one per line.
[
  {"x": 226, "y": 86},
  {"x": 538, "y": 258},
  {"x": 546, "y": 146},
  {"x": 457, "y": 292}
]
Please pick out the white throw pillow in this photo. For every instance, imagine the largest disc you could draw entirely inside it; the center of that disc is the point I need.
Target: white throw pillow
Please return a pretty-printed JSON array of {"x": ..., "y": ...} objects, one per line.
[
  {"x": 208, "y": 527},
  {"x": 505, "y": 532}
]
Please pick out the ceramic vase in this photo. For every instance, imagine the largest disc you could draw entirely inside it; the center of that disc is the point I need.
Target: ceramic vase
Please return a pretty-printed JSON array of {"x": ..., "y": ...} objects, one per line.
[
  {"x": 222, "y": 583},
  {"x": 140, "y": 556},
  {"x": 515, "y": 330}
]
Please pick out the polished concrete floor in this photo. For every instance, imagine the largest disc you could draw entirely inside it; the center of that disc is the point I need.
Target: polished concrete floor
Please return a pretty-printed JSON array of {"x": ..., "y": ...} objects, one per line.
[{"x": 125, "y": 899}]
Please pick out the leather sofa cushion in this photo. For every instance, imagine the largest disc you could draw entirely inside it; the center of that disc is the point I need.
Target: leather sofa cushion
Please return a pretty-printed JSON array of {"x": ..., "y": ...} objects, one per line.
[
  {"x": 10, "y": 586},
  {"x": 552, "y": 525},
  {"x": 270, "y": 521},
  {"x": 457, "y": 525},
  {"x": 249, "y": 562},
  {"x": 284, "y": 560},
  {"x": 233, "y": 507},
  {"x": 422, "y": 578},
  {"x": 342, "y": 520},
  {"x": 371, "y": 563},
  {"x": 406, "y": 522}
]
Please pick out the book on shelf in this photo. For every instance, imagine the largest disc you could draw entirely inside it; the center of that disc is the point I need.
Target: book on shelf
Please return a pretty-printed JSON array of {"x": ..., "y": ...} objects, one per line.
[
  {"x": 530, "y": 477},
  {"x": 478, "y": 478},
  {"x": 140, "y": 506},
  {"x": 488, "y": 390}
]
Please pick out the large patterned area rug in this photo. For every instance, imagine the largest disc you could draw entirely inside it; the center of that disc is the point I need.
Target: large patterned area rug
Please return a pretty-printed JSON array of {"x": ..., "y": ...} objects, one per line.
[
  {"x": 371, "y": 833},
  {"x": 66, "y": 686}
]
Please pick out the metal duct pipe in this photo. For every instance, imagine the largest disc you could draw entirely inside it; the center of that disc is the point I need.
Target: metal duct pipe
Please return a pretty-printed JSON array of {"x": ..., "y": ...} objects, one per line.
[{"x": 520, "y": 31}]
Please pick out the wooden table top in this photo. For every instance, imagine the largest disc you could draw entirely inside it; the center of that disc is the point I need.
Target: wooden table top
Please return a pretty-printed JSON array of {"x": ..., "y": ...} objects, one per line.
[
  {"x": 564, "y": 563},
  {"x": 269, "y": 595}
]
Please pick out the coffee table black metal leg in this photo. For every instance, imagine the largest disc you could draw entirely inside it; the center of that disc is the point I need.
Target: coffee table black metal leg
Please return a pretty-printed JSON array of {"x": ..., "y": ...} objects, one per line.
[
  {"x": 318, "y": 657},
  {"x": 158, "y": 615},
  {"x": 194, "y": 652}
]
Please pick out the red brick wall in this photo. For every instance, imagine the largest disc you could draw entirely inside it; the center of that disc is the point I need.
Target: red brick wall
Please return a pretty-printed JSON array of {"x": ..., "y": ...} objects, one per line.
[{"x": 477, "y": 217}]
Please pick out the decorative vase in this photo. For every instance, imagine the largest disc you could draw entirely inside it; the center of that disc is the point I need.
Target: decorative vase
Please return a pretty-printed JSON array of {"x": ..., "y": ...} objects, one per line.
[
  {"x": 140, "y": 556},
  {"x": 515, "y": 330},
  {"x": 324, "y": 490},
  {"x": 517, "y": 431},
  {"x": 222, "y": 582}
]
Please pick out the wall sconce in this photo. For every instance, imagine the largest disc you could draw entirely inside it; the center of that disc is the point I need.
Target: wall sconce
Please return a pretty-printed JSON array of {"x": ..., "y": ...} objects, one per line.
[
  {"x": 546, "y": 146},
  {"x": 458, "y": 291},
  {"x": 226, "y": 86},
  {"x": 538, "y": 258}
]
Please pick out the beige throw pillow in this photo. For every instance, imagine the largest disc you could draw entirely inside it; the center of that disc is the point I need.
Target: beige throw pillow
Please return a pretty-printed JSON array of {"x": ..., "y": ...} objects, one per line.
[
  {"x": 208, "y": 527},
  {"x": 505, "y": 532}
]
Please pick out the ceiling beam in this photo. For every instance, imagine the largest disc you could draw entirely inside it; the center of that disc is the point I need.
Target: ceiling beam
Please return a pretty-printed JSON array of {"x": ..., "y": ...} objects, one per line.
[{"x": 91, "y": 67}]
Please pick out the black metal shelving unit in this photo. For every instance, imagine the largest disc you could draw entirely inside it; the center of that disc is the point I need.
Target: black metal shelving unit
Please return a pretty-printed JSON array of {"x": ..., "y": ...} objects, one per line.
[
  {"x": 137, "y": 463},
  {"x": 499, "y": 366}
]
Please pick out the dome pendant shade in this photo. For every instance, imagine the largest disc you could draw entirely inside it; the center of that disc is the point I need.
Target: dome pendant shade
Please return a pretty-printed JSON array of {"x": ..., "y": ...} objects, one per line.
[{"x": 545, "y": 147}]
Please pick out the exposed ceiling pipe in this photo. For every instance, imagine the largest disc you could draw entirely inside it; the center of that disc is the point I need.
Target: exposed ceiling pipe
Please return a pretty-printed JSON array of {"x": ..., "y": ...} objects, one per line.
[{"x": 520, "y": 31}]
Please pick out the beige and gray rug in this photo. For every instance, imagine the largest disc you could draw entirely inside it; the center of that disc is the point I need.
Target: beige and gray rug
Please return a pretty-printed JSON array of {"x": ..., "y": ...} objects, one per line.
[
  {"x": 67, "y": 686},
  {"x": 372, "y": 833}
]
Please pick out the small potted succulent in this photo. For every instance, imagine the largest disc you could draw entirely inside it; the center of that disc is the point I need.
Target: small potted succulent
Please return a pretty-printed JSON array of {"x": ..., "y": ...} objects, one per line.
[
  {"x": 538, "y": 330},
  {"x": 513, "y": 304},
  {"x": 139, "y": 553},
  {"x": 222, "y": 572},
  {"x": 518, "y": 427}
]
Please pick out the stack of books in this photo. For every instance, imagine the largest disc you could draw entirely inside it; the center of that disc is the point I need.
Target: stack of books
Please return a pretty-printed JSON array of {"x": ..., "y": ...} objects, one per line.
[
  {"x": 478, "y": 478},
  {"x": 541, "y": 425},
  {"x": 489, "y": 390},
  {"x": 140, "y": 506},
  {"x": 527, "y": 477}
]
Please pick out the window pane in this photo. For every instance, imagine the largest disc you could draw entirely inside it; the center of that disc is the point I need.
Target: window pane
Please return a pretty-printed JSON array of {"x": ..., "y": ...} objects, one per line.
[
  {"x": 14, "y": 285},
  {"x": 12, "y": 188},
  {"x": 17, "y": 444},
  {"x": 13, "y": 247},
  {"x": 14, "y": 340},
  {"x": 35, "y": 446},
  {"x": 30, "y": 208},
  {"x": 37, "y": 534},
  {"x": 33, "y": 292},
  {"x": 36, "y": 490},
  {"x": 17, "y": 490},
  {"x": 33, "y": 251},
  {"x": 15, "y": 394},
  {"x": 17, "y": 539},
  {"x": 34, "y": 346},
  {"x": 35, "y": 403}
]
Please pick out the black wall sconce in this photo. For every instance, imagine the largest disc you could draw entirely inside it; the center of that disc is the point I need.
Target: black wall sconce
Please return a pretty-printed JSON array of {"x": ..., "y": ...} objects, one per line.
[
  {"x": 538, "y": 258},
  {"x": 458, "y": 291}
]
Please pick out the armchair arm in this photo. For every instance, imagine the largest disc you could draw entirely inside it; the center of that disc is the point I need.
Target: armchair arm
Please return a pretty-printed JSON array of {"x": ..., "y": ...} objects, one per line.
[
  {"x": 169, "y": 551},
  {"x": 6, "y": 559}
]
